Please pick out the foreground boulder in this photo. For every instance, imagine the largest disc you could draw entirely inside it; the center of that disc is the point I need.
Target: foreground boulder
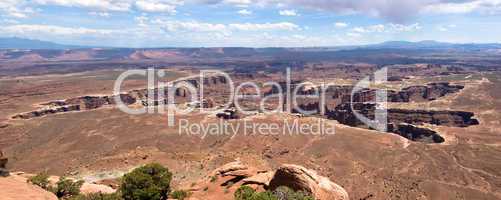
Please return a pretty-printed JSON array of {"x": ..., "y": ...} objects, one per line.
[
  {"x": 16, "y": 188},
  {"x": 299, "y": 178},
  {"x": 224, "y": 181}
]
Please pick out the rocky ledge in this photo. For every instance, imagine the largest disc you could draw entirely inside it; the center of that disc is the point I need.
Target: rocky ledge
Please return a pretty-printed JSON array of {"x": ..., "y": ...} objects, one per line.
[{"x": 75, "y": 104}]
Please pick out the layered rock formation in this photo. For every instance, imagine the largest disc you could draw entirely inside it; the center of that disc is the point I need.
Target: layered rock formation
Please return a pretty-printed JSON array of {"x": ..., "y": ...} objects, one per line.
[
  {"x": 415, "y": 133},
  {"x": 429, "y": 92},
  {"x": 76, "y": 104},
  {"x": 402, "y": 122},
  {"x": 129, "y": 98}
]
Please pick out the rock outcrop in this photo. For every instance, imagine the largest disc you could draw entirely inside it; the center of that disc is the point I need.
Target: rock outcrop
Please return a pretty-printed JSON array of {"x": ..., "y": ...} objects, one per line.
[
  {"x": 48, "y": 111},
  {"x": 235, "y": 169},
  {"x": 299, "y": 178},
  {"x": 415, "y": 133},
  {"x": 75, "y": 104},
  {"x": 222, "y": 182},
  {"x": 405, "y": 122},
  {"x": 89, "y": 188},
  {"x": 429, "y": 92}
]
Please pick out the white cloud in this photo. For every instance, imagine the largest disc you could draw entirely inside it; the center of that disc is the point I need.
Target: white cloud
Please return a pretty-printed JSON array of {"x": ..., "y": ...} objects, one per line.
[
  {"x": 158, "y": 6},
  {"x": 354, "y": 34},
  {"x": 195, "y": 27},
  {"x": 265, "y": 27},
  {"x": 100, "y": 14},
  {"x": 462, "y": 7},
  {"x": 112, "y": 5},
  {"x": 191, "y": 26},
  {"x": 389, "y": 28},
  {"x": 445, "y": 28},
  {"x": 32, "y": 29},
  {"x": 168, "y": 6},
  {"x": 141, "y": 21},
  {"x": 341, "y": 25},
  {"x": 15, "y": 8},
  {"x": 288, "y": 13},
  {"x": 245, "y": 12}
]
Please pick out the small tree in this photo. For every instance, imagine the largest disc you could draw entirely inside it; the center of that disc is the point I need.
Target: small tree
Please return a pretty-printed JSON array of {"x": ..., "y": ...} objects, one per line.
[
  {"x": 40, "y": 180},
  {"x": 66, "y": 188},
  {"x": 150, "y": 182}
]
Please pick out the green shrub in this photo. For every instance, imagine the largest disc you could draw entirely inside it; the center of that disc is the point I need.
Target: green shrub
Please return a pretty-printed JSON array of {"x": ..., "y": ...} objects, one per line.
[
  {"x": 97, "y": 196},
  {"x": 150, "y": 182},
  {"x": 244, "y": 193},
  {"x": 40, "y": 180},
  {"x": 285, "y": 193},
  {"x": 213, "y": 179},
  {"x": 281, "y": 193},
  {"x": 263, "y": 196},
  {"x": 66, "y": 188},
  {"x": 179, "y": 194}
]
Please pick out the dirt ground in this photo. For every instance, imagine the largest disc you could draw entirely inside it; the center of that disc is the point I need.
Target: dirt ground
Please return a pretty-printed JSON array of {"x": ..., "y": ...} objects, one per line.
[{"x": 106, "y": 142}]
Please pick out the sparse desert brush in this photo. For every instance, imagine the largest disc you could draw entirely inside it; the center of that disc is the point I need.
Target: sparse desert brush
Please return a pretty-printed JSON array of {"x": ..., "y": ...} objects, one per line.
[
  {"x": 40, "y": 180},
  {"x": 180, "y": 194},
  {"x": 285, "y": 193},
  {"x": 281, "y": 193},
  {"x": 213, "y": 179},
  {"x": 244, "y": 193},
  {"x": 97, "y": 196}
]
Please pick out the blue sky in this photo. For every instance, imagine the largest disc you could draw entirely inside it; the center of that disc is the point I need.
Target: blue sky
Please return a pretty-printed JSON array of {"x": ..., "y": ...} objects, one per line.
[{"x": 250, "y": 23}]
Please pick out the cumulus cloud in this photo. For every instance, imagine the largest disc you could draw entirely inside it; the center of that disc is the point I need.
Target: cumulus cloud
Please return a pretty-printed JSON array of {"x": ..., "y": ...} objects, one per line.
[
  {"x": 112, "y": 5},
  {"x": 265, "y": 27},
  {"x": 466, "y": 6},
  {"x": 245, "y": 12},
  {"x": 220, "y": 30},
  {"x": 100, "y": 14},
  {"x": 395, "y": 11},
  {"x": 388, "y": 28},
  {"x": 445, "y": 28},
  {"x": 288, "y": 13},
  {"x": 168, "y": 6},
  {"x": 15, "y": 8},
  {"x": 158, "y": 6},
  {"x": 23, "y": 29},
  {"x": 340, "y": 25}
]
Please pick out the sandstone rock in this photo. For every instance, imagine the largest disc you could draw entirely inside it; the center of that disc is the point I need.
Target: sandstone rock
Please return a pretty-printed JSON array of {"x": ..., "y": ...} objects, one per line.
[
  {"x": 301, "y": 179},
  {"x": 234, "y": 169},
  {"x": 88, "y": 188},
  {"x": 16, "y": 188},
  {"x": 259, "y": 179}
]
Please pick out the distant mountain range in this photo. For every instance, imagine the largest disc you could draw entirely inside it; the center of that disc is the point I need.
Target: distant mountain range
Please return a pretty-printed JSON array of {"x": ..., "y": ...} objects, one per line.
[
  {"x": 21, "y": 43},
  {"x": 431, "y": 44}
]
